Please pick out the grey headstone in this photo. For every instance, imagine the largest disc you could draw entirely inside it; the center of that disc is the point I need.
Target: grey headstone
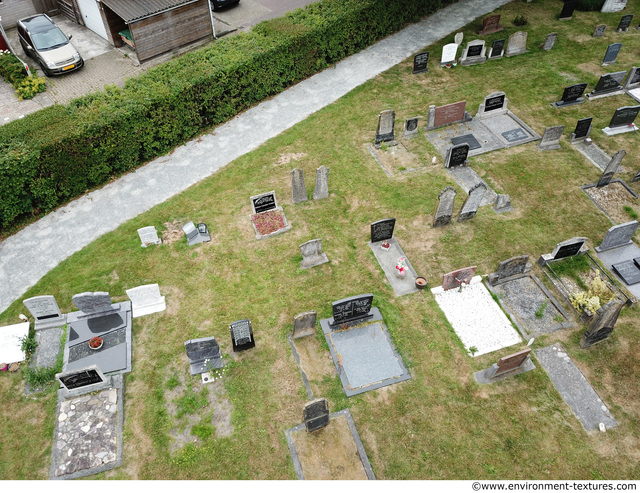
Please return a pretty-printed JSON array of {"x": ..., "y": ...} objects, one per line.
[
  {"x": 497, "y": 49},
  {"x": 613, "y": 5},
  {"x": 45, "y": 311},
  {"x": 551, "y": 138},
  {"x": 457, "y": 156},
  {"x": 449, "y": 53},
  {"x": 474, "y": 53},
  {"x": 312, "y": 254},
  {"x": 618, "y": 236},
  {"x": 517, "y": 43},
  {"x": 149, "y": 236},
  {"x": 582, "y": 131},
  {"x": 510, "y": 267},
  {"x": 93, "y": 303},
  {"x": 625, "y": 22},
  {"x": 444, "y": 210},
  {"x": 411, "y": 127},
  {"x": 633, "y": 79},
  {"x": 503, "y": 203},
  {"x": 385, "y": 131},
  {"x": 321, "y": 190},
  {"x": 304, "y": 324},
  {"x": 611, "y": 168},
  {"x": 472, "y": 203},
  {"x": 602, "y": 326},
  {"x": 204, "y": 355},
  {"x": 550, "y": 41},
  {"x": 316, "y": 414},
  {"x": 599, "y": 31},
  {"x": 196, "y": 234},
  {"x": 298, "y": 189},
  {"x": 612, "y": 53}
]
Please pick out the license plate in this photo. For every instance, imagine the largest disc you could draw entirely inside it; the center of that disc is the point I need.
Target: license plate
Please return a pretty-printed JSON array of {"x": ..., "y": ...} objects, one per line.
[{"x": 68, "y": 67}]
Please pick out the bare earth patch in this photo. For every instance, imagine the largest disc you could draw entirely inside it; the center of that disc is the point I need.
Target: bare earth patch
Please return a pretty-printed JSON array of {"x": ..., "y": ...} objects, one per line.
[
  {"x": 398, "y": 159},
  {"x": 315, "y": 362},
  {"x": 612, "y": 199},
  {"x": 173, "y": 232},
  {"x": 287, "y": 158}
]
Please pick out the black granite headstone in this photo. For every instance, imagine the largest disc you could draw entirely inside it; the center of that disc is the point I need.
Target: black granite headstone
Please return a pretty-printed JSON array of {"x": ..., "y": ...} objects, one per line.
[
  {"x": 637, "y": 262},
  {"x": 624, "y": 116},
  {"x": 572, "y": 93},
  {"x": 603, "y": 323},
  {"x": 497, "y": 47},
  {"x": 242, "y": 335},
  {"x": 567, "y": 10},
  {"x": 582, "y": 128},
  {"x": 492, "y": 104},
  {"x": 316, "y": 414},
  {"x": 350, "y": 310},
  {"x": 264, "y": 202},
  {"x": 628, "y": 271},
  {"x": 204, "y": 354},
  {"x": 420, "y": 62},
  {"x": 635, "y": 78},
  {"x": 612, "y": 53},
  {"x": 466, "y": 139},
  {"x": 609, "y": 83},
  {"x": 568, "y": 250},
  {"x": 625, "y": 22},
  {"x": 458, "y": 155},
  {"x": 382, "y": 230},
  {"x": 81, "y": 378},
  {"x": 474, "y": 50}
]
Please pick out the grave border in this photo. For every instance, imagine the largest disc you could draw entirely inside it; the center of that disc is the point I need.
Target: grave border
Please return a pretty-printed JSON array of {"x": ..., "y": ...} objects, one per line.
[{"x": 615, "y": 180}]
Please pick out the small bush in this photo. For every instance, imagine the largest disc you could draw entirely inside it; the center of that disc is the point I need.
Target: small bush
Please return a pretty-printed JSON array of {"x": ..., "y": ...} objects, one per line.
[
  {"x": 540, "y": 311},
  {"x": 629, "y": 210},
  {"x": 12, "y": 69},
  {"x": 30, "y": 86},
  {"x": 520, "y": 21},
  {"x": 589, "y": 5}
]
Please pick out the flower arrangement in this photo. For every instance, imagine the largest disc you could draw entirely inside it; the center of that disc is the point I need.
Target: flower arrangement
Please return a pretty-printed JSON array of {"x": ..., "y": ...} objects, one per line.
[
  {"x": 385, "y": 245},
  {"x": 401, "y": 266},
  {"x": 95, "y": 342},
  {"x": 268, "y": 222}
]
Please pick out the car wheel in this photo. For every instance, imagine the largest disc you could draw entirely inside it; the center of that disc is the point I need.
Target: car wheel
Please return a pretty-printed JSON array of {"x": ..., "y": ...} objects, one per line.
[{"x": 44, "y": 69}]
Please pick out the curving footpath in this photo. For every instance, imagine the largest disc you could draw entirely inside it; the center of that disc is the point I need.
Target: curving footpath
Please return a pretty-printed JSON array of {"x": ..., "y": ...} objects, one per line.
[{"x": 29, "y": 254}]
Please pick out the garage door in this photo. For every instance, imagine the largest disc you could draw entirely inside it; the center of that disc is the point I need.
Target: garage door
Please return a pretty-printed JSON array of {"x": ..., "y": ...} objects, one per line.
[{"x": 91, "y": 17}]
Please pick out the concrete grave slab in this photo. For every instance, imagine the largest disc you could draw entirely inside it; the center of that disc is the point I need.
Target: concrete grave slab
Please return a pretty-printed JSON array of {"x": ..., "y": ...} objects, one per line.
[
  {"x": 388, "y": 260},
  {"x": 10, "y": 345},
  {"x": 574, "y": 388},
  {"x": 468, "y": 180},
  {"x": 589, "y": 149}
]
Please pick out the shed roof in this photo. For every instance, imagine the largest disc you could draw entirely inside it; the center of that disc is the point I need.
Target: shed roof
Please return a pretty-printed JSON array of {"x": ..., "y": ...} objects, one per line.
[{"x": 133, "y": 10}]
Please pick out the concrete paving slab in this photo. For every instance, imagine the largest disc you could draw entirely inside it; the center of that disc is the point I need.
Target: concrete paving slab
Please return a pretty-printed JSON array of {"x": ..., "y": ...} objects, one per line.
[
  {"x": 388, "y": 261},
  {"x": 617, "y": 255}
]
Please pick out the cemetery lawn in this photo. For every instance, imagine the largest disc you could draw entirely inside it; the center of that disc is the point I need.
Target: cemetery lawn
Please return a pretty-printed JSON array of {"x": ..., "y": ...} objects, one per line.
[{"x": 440, "y": 424}]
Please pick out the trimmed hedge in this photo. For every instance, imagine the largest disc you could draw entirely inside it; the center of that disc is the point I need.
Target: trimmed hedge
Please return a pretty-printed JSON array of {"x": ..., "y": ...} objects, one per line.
[{"x": 58, "y": 153}]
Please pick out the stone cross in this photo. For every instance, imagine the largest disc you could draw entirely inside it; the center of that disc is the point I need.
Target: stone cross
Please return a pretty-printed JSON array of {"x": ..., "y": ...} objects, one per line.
[
  {"x": 298, "y": 190},
  {"x": 321, "y": 190}
]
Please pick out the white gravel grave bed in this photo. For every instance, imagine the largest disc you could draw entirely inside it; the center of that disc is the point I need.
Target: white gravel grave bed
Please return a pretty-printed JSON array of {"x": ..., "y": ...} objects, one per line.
[{"x": 476, "y": 317}]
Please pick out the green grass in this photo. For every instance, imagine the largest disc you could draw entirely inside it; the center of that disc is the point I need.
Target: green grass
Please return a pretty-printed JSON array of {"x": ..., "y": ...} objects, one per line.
[{"x": 440, "y": 424}]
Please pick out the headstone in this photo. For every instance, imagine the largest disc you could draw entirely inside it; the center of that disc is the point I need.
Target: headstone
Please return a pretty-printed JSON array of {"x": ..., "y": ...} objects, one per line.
[
  {"x": 449, "y": 53},
  {"x": 611, "y": 54},
  {"x": 571, "y": 95},
  {"x": 549, "y": 41},
  {"x": 517, "y": 43},
  {"x": 146, "y": 299},
  {"x": 316, "y": 414},
  {"x": 385, "y": 132},
  {"x": 551, "y": 138},
  {"x": 624, "y": 116},
  {"x": 149, "y": 236},
  {"x": 625, "y": 22},
  {"x": 599, "y": 31},
  {"x": 45, "y": 311},
  {"x": 298, "y": 189},
  {"x": 495, "y": 103},
  {"x": 351, "y": 310},
  {"x": 502, "y": 204},
  {"x": 567, "y": 11},
  {"x": 321, "y": 190},
  {"x": 611, "y": 168},
  {"x": 458, "y": 277},
  {"x": 636, "y": 177},
  {"x": 628, "y": 271},
  {"x": 204, "y": 355},
  {"x": 633, "y": 79},
  {"x": 582, "y": 131},
  {"x": 457, "y": 39},
  {"x": 304, "y": 324},
  {"x": 514, "y": 135},
  {"x": 196, "y": 234},
  {"x": 10, "y": 342},
  {"x": 242, "y": 335},
  {"x": 457, "y": 156},
  {"x": 618, "y": 236},
  {"x": 93, "y": 303},
  {"x": 447, "y": 114},
  {"x": 514, "y": 266},
  {"x": 382, "y": 230},
  {"x": 508, "y": 364},
  {"x": 411, "y": 127},
  {"x": 609, "y": 83},
  {"x": 613, "y": 5},
  {"x": 264, "y": 202},
  {"x": 474, "y": 53},
  {"x": 491, "y": 25},
  {"x": 602, "y": 325},
  {"x": 472, "y": 203},
  {"x": 497, "y": 49},
  {"x": 82, "y": 378},
  {"x": 312, "y": 254},
  {"x": 569, "y": 248},
  {"x": 444, "y": 210},
  {"x": 420, "y": 61}
]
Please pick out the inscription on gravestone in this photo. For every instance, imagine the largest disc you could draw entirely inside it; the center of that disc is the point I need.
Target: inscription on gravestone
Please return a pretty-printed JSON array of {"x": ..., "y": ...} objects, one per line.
[
  {"x": 457, "y": 156},
  {"x": 571, "y": 95},
  {"x": 353, "y": 309},
  {"x": 609, "y": 83},
  {"x": 495, "y": 103},
  {"x": 491, "y": 25},
  {"x": 583, "y": 128},
  {"x": 204, "y": 355},
  {"x": 382, "y": 230},
  {"x": 449, "y": 113},
  {"x": 264, "y": 202},
  {"x": 316, "y": 414},
  {"x": 46, "y": 312},
  {"x": 497, "y": 48},
  {"x": 242, "y": 335},
  {"x": 568, "y": 248},
  {"x": 149, "y": 236},
  {"x": 628, "y": 271},
  {"x": 386, "y": 122},
  {"x": 625, "y": 22},
  {"x": 474, "y": 50},
  {"x": 458, "y": 277},
  {"x": 612, "y": 53},
  {"x": 83, "y": 377},
  {"x": 420, "y": 62},
  {"x": 514, "y": 135}
]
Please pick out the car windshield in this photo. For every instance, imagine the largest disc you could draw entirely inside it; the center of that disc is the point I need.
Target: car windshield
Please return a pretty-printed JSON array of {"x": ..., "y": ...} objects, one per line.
[{"x": 47, "y": 40}]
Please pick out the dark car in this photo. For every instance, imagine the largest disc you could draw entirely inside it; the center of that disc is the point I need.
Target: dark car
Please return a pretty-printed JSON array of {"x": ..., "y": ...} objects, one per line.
[
  {"x": 43, "y": 41},
  {"x": 220, "y": 4}
]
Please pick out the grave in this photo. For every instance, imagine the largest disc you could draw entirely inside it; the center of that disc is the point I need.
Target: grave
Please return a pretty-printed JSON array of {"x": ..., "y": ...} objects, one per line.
[
  {"x": 10, "y": 343},
  {"x": 388, "y": 258},
  {"x": 622, "y": 121},
  {"x": 628, "y": 271},
  {"x": 146, "y": 300},
  {"x": 444, "y": 210},
  {"x": 572, "y": 95},
  {"x": 632, "y": 84},
  {"x": 298, "y": 189},
  {"x": 382, "y": 230},
  {"x": 472, "y": 203},
  {"x": 550, "y": 41},
  {"x": 385, "y": 132},
  {"x": 568, "y": 248},
  {"x": 491, "y": 25},
  {"x": 457, "y": 156},
  {"x": 411, "y": 127},
  {"x": 268, "y": 219},
  {"x": 474, "y": 53},
  {"x": 334, "y": 452},
  {"x": 624, "y": 24},
  {"x": 420, "y": 62},
  {"x": 567, "y": 11},
  {"x": 449, "y": 54},
  {"x": 503, "y": 204},
  {"x": 599, "y": 31},
  {"x": 475, "y": 317},
  {"x": 149, "y": 236},
  {"x": 312, "y": 254},
  {"x": 602, "y": 325},
  {"x": 611, "y": 199},
  {"x": 447, "y": 115},
  {"x": 242, "y": 335},
  {"x": 617, "y": 236},
  {"x": 45, "y": 311},
  {"x": 196, "y": 235},
  {"x": 551, "y": 138},
  {"x": 613, "y": 5},
  {"x": 611, "y": 54},
  {"x": 316, "y": 414},
  {"x": 509, "y": 366},
  {"x": 82, "y": 380},
  {"x": 611, "y": 168},
  {"x": 304, "y": 324},
  {"x": 469, "y": 180},
  {"x": 204, "y": 355},
  {"x": 507, "y": 269},
  {"x": 517, "y": 44},
  {"x": 619, "y": 255},
  {"x": 99, "y": 317},
  {"x": 574, "y": 388},
  {"x": 608, "y": 85},
  {"x": 361, "y": 347},
  {"x": 497, "y": 49},
  {"x": 321, "y": 190},
  {"x": 582, "y": 131}
]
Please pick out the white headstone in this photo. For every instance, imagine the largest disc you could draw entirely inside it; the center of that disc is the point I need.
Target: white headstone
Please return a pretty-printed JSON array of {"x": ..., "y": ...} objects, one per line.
[
  {"x": 149, "y": 236},
  {"x": 614, "y": 5},
  {"x": 449, "y": 53},
  {"x": 458, "y": 38},
  {"x": 146, "y": 299},
  {"x": 10, "y": 344},
  {"x": 46, "y": 312}
]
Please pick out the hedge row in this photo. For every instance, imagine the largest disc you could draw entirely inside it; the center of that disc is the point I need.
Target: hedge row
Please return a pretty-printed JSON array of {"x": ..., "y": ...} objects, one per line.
[{"x": 58, "y": 153}]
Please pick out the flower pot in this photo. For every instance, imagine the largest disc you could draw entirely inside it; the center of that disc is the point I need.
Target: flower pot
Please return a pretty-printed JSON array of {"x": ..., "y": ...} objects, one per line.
[
  {"x": 421, "y": 282},
  {"x": 385, "y": 248},
  {"x": 4, "y": 367},
  {"x": 96, "y": 347}
]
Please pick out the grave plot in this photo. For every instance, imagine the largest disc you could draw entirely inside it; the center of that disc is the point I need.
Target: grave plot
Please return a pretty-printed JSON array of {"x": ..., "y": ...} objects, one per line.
[
  {"x": 361, "y": 348},
  {"x": 267, "y": 219},
  {"x": 614, "y": 200},
  {"x": 399, "y": 159},
  {"x": 475, "y": 317},
  {"x": 621, "y": 256},
  {"x": 10, "y": 345}
]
